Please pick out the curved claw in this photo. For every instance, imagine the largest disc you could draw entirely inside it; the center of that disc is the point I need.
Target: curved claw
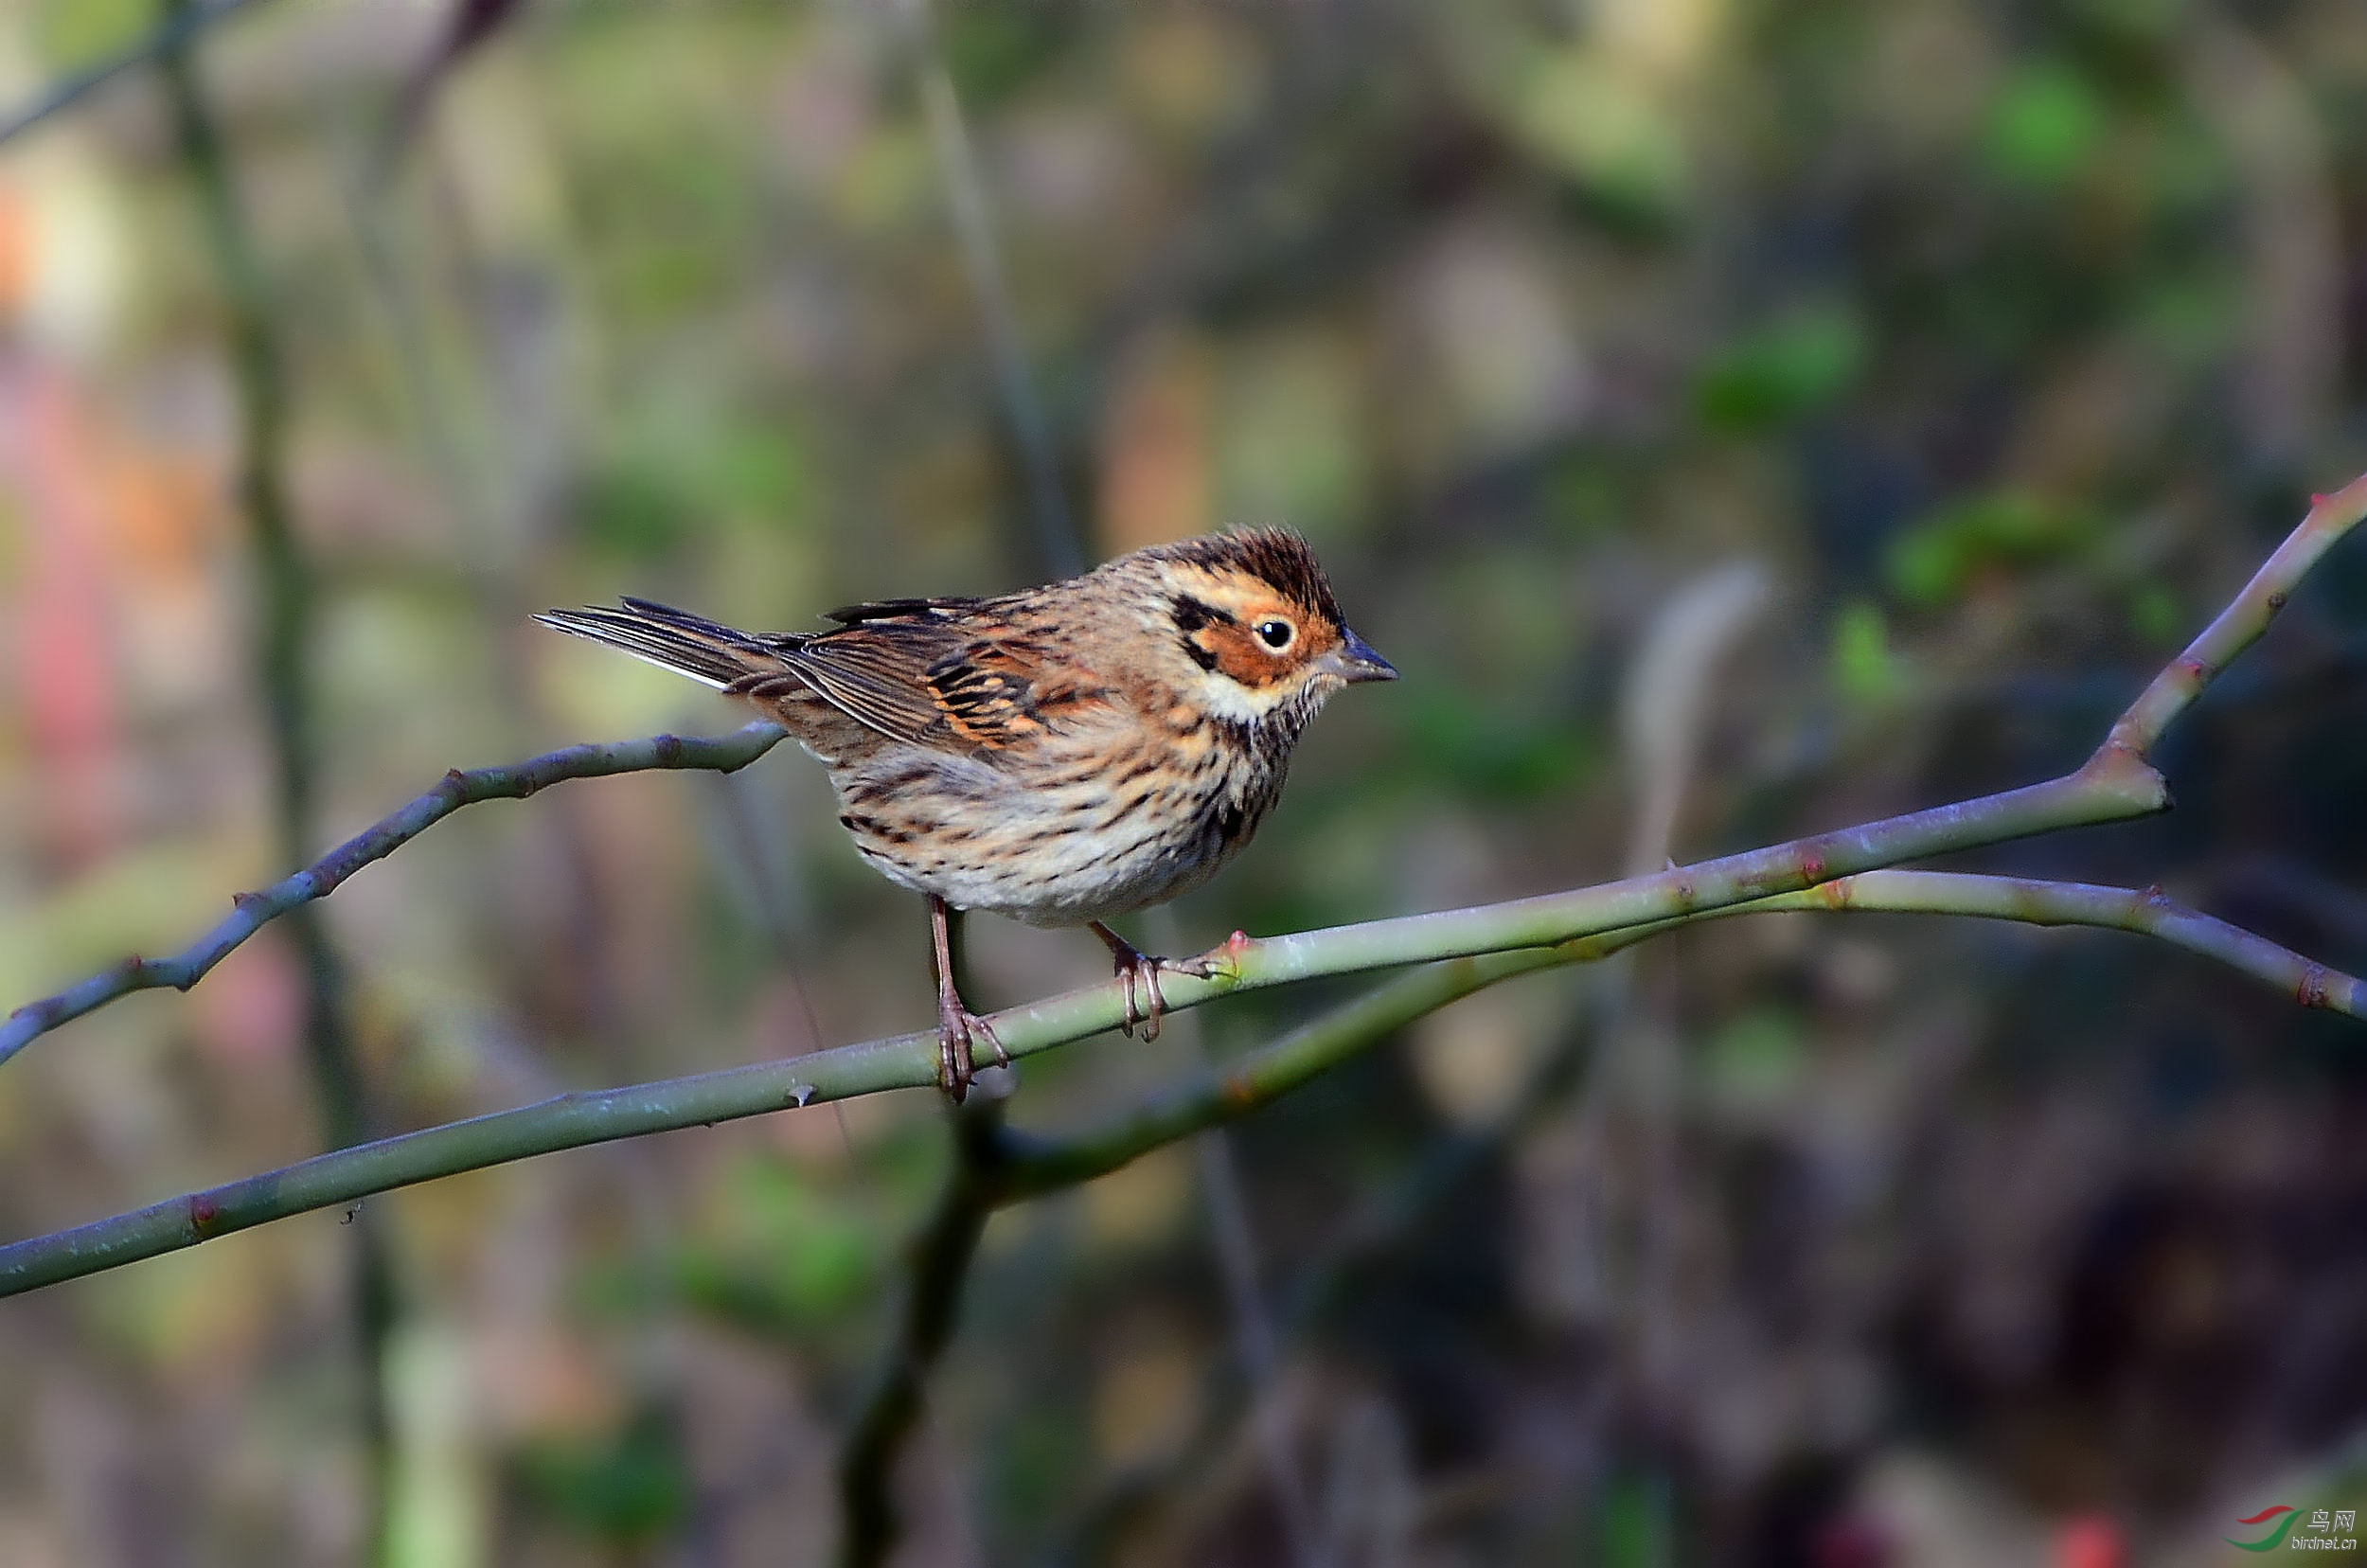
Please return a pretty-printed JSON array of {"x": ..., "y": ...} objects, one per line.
[
  {"x": 958, "y": 1033},
  {"x": 1131, "y": 1015},
  {"x": 1138, "y": 981},
  {"x": 1143, "y": 971}
]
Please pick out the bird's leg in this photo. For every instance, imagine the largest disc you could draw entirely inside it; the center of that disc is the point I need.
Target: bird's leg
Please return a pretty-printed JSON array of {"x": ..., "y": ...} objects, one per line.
[
  {"x": 1138, "y": 970},
  {"x": 959, "y": 1028}
]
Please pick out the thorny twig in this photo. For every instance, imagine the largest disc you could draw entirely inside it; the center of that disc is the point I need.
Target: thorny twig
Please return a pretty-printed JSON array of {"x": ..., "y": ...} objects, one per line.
[{"x": 909, "y": 1061}]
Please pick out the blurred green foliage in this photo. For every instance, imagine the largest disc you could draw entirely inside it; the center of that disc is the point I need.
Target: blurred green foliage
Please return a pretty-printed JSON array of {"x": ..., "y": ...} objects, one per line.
[
  {"x": 1934, "y": 560},
  {"x": 2045, "y": 123},
  {"x": 2001, "y": 340},
  {"x": 798, "y": 1258},
  {"x": 1793, "y": 366},
  {"x": 631, "y": 1488}
]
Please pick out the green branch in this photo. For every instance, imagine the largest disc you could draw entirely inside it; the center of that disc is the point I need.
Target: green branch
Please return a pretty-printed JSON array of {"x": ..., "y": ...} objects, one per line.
[{"x": 910, "y": 1061}]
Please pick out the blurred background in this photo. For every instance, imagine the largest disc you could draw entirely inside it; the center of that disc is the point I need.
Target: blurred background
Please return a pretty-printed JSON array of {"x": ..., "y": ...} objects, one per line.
[{"x": 1735, "y": 418}]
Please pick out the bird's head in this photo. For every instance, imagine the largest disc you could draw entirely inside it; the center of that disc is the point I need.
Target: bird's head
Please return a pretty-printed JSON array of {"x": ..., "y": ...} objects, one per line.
[{"x": 1249, "y": 623}]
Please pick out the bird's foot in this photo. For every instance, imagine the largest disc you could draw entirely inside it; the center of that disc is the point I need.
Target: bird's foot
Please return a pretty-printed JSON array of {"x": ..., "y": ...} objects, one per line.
[
  {"x": 959, "y": 1030},
  {"x": 1138, "y": 973}
]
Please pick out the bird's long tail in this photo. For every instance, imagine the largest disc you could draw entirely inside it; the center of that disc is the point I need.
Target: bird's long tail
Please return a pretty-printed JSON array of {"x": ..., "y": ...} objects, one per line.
[{"x": 675, "y": 639}]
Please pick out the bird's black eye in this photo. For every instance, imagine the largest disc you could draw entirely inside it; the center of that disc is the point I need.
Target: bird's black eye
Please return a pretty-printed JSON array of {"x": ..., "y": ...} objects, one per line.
[{"x": 1274, "y": 633}]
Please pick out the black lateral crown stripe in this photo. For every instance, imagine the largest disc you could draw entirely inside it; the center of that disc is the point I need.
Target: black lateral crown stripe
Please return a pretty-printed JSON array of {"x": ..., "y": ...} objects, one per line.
[
  {"x": 1276, "y": 557},
  {"x": 1192, "y": 614}
]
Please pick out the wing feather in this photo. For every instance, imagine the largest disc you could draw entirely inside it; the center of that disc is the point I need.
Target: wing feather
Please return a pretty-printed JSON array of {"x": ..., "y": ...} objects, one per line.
[{"x": 952, "y": 674}]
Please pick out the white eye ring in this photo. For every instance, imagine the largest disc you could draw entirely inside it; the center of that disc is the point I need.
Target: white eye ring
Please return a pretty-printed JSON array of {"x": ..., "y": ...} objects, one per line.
[{"x": 1274, "y": 633}]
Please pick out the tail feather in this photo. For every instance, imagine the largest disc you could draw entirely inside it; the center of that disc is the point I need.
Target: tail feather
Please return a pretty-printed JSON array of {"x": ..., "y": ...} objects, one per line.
[{"x": 705, "y": 650}]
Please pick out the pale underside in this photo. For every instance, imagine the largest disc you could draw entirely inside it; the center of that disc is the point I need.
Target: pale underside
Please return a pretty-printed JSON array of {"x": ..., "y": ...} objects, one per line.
[{"x": 1085, "y": 828}]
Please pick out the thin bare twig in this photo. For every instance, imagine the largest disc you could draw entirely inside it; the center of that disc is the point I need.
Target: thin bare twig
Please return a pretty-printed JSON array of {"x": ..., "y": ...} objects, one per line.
[
  {"x": 2241, "y": 623},
  {"x": 172, "y": 33},
  {"x": 468, "y": 25},
  {"x": 251, "y": 912}
]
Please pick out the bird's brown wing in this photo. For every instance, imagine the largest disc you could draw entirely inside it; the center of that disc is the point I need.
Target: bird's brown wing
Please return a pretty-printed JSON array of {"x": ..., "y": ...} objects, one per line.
[
  {"x": 948, "y": 673},
  {"x": 960, "y": 676},
  {"x": 876, "y": 674}
]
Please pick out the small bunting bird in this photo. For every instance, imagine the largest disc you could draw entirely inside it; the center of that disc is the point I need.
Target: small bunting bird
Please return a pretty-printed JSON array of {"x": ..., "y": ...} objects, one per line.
[{"x": 1064, "y": 755}]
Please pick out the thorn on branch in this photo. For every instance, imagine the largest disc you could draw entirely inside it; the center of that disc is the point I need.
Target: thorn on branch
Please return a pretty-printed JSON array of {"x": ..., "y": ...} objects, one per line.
[{"x": 246, "y": 903}]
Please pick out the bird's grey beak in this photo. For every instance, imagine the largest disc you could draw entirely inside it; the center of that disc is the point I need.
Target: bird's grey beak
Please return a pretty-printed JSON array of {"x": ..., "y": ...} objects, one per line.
[{"x": 1355, "y": 660}]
